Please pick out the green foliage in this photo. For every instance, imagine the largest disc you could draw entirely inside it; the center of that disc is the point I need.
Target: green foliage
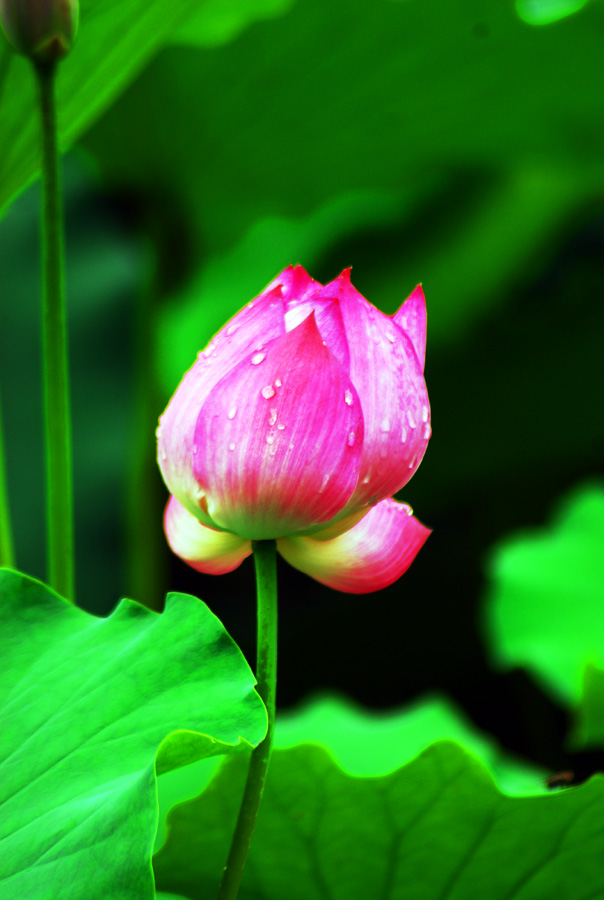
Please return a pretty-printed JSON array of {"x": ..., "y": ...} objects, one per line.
[
  {"x": 376, "y": 743},
  {"x": 113, "y": 45},
  {"x": 90, "y": 709},
  {"x": 589, "y": 730},
  {"x": 435, "y": 828},
  {"x": 365, "y": 743},
  {"x": 544, "y": 611},
  {"x": 218, "y": 21},
  {"x": 543, "y": 12},
  {"x": 316, "y": 127}
]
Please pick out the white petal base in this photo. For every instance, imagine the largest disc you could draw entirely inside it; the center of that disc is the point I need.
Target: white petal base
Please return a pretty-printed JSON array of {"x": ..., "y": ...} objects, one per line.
[{"x": 209, "y": 551}]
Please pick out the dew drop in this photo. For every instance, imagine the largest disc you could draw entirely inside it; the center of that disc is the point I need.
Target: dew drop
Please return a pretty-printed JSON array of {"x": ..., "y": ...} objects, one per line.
[
  {"x": 277, "y": 382},
  {"x": 385, "y": 426},
  {"x": 163, "y": 453},
  {"x": 348, "y": 397},
  {"x": 403, "y": 435},
  {"x": 268, "y": 392},
  {"x": 270, "y": 439},
  {"x": 391, "y": 337},
  {"x": 231, "y": 446},
  {"x": 291, "y": 446},
  {"x": 424, "y": 413},
  {"x": 427, "y": 431},
  {"x": 232, "y": 329},
  {"x": 324, "y": 483},
  {"x": 366, "y": 479},
  {"x": 273, "y": 417},
  {"x": 280, "y": 426},
  {"x": 351, "y": 438},
  {"x": 232, "y": 412},
  {"x": 257, "y": 359},
  {"x": 411, "y": 419}
]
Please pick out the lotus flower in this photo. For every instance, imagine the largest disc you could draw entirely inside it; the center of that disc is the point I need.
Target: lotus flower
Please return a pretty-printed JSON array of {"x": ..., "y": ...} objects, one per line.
[{"x": 301, "y": 418}]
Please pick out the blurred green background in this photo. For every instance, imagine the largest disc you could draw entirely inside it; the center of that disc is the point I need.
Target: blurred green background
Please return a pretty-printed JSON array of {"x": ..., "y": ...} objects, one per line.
[{"x": 209, "y": 146}]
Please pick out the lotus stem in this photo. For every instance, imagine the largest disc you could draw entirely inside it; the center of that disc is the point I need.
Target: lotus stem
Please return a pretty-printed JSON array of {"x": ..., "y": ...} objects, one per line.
[
  {"x": 59, "y": 490},
  {"x": 265, "y": 553}
]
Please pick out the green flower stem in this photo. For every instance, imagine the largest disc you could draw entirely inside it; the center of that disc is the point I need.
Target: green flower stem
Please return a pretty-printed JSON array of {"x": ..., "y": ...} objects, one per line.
[
  {"x": 265, "y": 553},
  {"x": 7, "y": 557},
  {"x": 59, "y": 491}
]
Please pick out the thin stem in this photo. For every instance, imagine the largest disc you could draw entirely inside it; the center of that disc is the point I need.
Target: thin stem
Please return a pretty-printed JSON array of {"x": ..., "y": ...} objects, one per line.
[
  {"x": 7, "y": 556},
  {"x": 59, "y": 491},
  {"x": 266, "y": 676}
]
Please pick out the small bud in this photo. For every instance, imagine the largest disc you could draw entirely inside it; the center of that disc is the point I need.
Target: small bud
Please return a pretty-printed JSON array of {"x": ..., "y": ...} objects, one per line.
[{"x": 43, "y": 30}]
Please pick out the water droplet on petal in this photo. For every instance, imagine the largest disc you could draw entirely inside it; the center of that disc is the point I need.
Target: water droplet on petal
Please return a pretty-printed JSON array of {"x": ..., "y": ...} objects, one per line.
[
  {"x": 351, "y": 438},
  {"x": 232, "y": 412},
  {"x": 427, "y": 431},
  {"x": 272, "y": 417},
  {"x": 424, "y": 413},
  {"x": 366, "y": 479},
  {"x": 231, "y": 446},
  {"x": 324, "y": 483},
  {"x": 257, "y": 359},
  {"x": 163, "y": 453},
  {"x": 403, "y": 435},
  {"x": 277, "y": 382},
  {"x": 391, "y": 337},
  {"x": 280, "y": 426},
  {"x": 385, "y": 426},
  {"x": 411, "y": 419},
  {"x": 348, "y": 397},
  {"x": 270, "y": 438},
  {"x": 232, "y": 329},
  {"x": 268, "y": 392},
  {"x": 291, "y": 446}
]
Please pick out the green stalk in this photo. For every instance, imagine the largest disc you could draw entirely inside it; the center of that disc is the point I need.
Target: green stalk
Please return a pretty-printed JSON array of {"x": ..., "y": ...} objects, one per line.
[
  {"x": 265, "y": 553},
  {"x": 7, "y": 556},
  {"x": 59, "y": 491}
]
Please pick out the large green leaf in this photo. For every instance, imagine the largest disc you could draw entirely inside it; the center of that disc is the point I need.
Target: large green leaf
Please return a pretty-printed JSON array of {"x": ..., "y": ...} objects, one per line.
[
  {"x": 116, "y": 39},
  {"x": 545, "y": 606},
  {"x": 364, "y": 742},
  {"x": 435, "y": 829},
  {"x": 317, "y": 138},
  {"x": 90, "y": 708},
  {"x": 344, "y": 96}
]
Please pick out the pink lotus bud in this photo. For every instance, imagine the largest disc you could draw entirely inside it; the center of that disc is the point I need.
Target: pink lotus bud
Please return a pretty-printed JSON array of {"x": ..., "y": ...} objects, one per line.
[
  {"x": 44, "y": 30},
  {"x": 297, "y": 422}
]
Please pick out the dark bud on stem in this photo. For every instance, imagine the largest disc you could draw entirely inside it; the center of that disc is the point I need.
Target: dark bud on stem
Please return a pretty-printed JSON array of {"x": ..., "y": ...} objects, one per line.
[{"x": 43, "y": 30}]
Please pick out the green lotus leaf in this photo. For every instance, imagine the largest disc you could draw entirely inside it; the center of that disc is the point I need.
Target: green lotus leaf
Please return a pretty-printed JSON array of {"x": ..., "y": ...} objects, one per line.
[
  {"x": 90, "y": 707},
  {"x": 544, "y": 610},
  {"x": 435, "y": 828}
]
